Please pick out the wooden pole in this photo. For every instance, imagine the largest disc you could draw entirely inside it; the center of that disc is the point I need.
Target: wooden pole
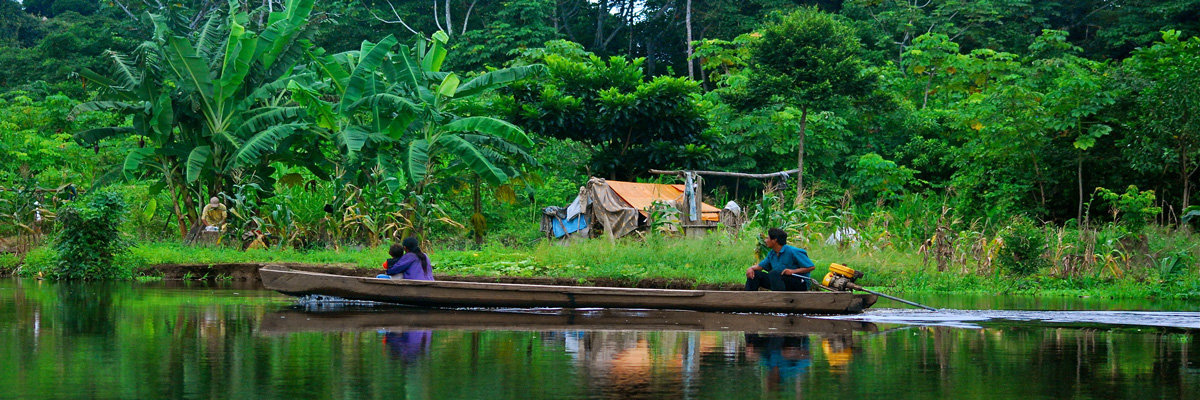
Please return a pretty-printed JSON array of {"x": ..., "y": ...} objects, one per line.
[{"x": 729, "y": 174}]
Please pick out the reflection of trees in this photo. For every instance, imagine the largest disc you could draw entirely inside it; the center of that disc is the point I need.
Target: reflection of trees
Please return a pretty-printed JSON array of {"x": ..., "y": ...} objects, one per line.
[
  {"x": 190, "y": 343},
  {"x": 86, "y": 307}
]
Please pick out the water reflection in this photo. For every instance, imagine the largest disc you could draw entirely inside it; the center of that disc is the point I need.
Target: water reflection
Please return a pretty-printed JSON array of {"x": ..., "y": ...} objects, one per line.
[
  {"x": 783, "y": 357},
  {"x": 409, "y": 345},
  {"x": 138, "y": 341}
]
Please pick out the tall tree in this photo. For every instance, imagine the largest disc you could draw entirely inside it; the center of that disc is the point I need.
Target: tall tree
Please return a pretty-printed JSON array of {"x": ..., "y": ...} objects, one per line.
[
  {"x": 809, "y": 59},
  {"x": 1167, "y": 96}
]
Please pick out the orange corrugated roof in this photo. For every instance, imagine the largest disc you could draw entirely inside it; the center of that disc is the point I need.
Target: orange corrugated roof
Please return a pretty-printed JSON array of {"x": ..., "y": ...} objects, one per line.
[{"x": 642, "y": 195}]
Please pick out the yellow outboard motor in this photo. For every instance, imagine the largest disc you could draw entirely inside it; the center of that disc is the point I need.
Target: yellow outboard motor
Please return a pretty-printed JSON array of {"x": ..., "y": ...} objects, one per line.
[{"x": 842, "y": 278}]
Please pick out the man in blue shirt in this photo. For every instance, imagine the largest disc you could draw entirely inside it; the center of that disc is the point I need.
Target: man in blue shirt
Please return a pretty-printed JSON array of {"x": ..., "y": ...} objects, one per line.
[{"x": 783, "y": 267}]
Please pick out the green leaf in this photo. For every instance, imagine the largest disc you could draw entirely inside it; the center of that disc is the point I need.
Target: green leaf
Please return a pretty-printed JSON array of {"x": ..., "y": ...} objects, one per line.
[
  {"x": 500, "y": 77},
  {"x": 353, "y": 138},
  {"x": 473, "y": 158},
  {"x": 364, "y": 71},
  {"x": 264, "y": 142},
  {"x": 91, "y": 136},
  {"x": 134, "y": 160},
  {"x": 269, "y": 116},
  {"x": 195, "y": 162},
  {"x": 190, "y": 70},
  {"x": 409, "y": 70},
  {"x": 238, "y": 56},
  {"x": 390, "y": 102},
  {"x": 437, "y": 54},
  {"x": 492, "y": 127},
  {"x": 416, "y": 160},
  {"x": 449, "y": 85}
]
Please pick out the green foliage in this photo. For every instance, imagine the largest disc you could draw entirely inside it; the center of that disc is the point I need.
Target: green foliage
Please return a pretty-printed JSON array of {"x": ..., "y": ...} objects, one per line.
[
  {"x": 807, "y": 58},
  {"x": 90, "y": 239},
  {"x": 1024, "y": 248},
  {"x": 518, "y": 25},
  {"x": 1166, "y": 93},
  {"x": 40, "y": 261},
  {"x": 1133, "y": 208},
  {"x": 636, "y": 124},
  {"x": 879, "y": 177}
]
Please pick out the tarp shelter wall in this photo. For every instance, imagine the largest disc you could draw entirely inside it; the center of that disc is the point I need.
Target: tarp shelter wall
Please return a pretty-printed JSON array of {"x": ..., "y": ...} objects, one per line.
[{"x": 618, "y": 207}]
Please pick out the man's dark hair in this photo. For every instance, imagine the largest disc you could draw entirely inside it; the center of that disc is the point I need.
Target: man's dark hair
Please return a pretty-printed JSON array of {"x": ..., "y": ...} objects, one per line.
[{"x": 778, "y": 235}]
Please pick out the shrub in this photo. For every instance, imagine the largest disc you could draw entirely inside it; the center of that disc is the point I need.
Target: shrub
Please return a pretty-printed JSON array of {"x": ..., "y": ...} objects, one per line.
[
  {"x": 39, "y": 260},
  {"x": 90, "y": 239},
  {"x": 1024, "y": 244}
]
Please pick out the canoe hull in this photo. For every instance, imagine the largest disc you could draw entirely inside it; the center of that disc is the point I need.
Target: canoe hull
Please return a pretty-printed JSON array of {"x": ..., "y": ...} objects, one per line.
[{"x": 472, "y": 294}]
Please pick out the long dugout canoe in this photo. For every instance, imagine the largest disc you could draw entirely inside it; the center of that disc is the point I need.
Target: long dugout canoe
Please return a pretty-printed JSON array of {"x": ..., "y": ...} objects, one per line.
[{"x": 472, "y": 294}]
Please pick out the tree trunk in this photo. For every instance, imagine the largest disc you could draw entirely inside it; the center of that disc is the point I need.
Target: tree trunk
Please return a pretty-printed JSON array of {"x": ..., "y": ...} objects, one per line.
[
  {"x": 175, "y": 203},
  {"x": 1079, "y": 178},
  {"x": 688, "y": 22},
  {"x": 800, "y": 158},
  {"x": 449, "y": 25},
  {"x": 477, "y": 216},
  {"x": 600, "y": 12}
]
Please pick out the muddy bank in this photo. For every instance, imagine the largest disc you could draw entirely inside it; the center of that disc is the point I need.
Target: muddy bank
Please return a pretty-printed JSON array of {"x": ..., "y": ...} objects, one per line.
[{"x": 249, "y": 272}]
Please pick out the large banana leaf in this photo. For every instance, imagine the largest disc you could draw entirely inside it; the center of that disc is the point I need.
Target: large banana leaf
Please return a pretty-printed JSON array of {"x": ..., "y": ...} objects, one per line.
[
  {"x": 490, "y": 126},
  {"x": 196, "y": 161},
  {"x": 500, "y": 77},
  {"x": 282, "y": 28},
  {"x": 409, "y": 70},
  {"x": 124, "y": 71},
  {"x": 208, "y": 39},
  {"x": 266, "y": 117},
  {"x": 416, "y": 159},
  {"x": 189, "y": 69},
  {"x": 389, "y": 102},
  {"x": 114, "y": 106},
  {"x": 101, "y": 79},
  {"x": 95, "y": 135},
  {"x": 319, "y": 110},
  {"x": 473, "y": 158},
  {"x": 364, "y": 71},
  {"x": 353, "y": 138},
  {"x": 331, "y": 68},
  {"x": 238, "y": 57},
  {"x": 134, "y": 160},
  {"x": 264, "y": 142},
  {"x": 504, "y": 148},
  {"x": 432, "y": 60}
]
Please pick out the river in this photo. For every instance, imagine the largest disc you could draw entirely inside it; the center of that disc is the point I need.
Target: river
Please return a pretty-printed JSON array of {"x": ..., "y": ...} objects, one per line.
[{"x": 227, "y": 340}]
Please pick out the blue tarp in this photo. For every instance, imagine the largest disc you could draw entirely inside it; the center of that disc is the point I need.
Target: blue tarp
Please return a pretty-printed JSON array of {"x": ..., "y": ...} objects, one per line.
[{"x": 563, "y": 227}]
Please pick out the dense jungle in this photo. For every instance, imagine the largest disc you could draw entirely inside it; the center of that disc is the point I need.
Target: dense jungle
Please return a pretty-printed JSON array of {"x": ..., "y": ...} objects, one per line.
[{"x": 943, "y": 145}]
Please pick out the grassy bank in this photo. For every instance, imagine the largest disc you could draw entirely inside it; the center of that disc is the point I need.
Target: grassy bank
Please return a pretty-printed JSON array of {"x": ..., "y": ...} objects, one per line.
[{"x": 715, "y": 259}]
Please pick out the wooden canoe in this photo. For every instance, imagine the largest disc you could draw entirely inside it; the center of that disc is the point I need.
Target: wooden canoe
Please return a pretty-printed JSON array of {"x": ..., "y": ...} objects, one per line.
[
  {"x": 405, "y": 319},
  {"x": 472, "y": 294}
]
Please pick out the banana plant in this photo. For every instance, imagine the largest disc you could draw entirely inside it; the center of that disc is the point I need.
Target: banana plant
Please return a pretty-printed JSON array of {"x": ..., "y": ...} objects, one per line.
[
  {"x": 243, "y": 117},
  {"x": 395, "y": 107},
  {"x": 207, "y": 107}
]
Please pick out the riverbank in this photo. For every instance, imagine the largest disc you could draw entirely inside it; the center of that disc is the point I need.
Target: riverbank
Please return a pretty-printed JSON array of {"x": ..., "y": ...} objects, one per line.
[{"x": 716, "y": 261}]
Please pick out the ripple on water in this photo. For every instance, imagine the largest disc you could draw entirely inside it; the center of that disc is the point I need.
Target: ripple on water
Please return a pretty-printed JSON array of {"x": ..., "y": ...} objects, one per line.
[{"x": 972, "y": 318}]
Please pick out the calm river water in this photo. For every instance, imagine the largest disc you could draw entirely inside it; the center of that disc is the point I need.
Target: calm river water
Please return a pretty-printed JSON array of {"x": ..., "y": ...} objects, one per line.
[{"x": 176, "y": 340}]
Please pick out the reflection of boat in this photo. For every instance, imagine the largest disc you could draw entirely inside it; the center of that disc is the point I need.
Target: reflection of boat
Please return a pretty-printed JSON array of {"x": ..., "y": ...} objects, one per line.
[
  {"x": 473, "y": 294},
  {"x": 552, "y": 320}
]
